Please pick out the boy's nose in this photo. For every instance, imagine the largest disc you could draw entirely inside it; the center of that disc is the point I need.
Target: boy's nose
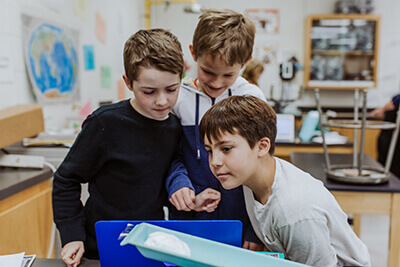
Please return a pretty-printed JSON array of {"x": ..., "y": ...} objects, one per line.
[
  {"x": 215, "y": 161},
  {"x": 161, "y": 100},
  {"x": 217, "y": 83}
]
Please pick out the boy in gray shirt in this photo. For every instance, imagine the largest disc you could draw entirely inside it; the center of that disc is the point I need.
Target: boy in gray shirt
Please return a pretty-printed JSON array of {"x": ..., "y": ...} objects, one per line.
[{"x": 291, "y": 212}]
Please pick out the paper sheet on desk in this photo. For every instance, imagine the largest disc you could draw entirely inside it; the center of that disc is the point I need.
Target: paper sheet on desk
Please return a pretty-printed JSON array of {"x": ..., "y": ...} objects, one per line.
[
  {"x": 331, "y": 138},
  {"x": 17, "y": 260},
  {"x": 60, "y": 137},
  {"x": 47, "y": 142},
  {"x": 11, "y": 260}
]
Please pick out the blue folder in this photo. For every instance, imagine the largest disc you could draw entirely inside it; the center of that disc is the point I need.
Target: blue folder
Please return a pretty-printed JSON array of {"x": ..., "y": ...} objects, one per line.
[{"x": 112, "y": 254}]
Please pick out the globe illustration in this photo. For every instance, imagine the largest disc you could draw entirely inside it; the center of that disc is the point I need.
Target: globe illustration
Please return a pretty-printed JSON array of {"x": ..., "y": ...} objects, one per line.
[{"x": 52, "y": 62}]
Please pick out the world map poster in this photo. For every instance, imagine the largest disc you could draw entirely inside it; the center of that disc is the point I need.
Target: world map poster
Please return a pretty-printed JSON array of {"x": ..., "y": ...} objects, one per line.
[{"x": 51, "y": 60}]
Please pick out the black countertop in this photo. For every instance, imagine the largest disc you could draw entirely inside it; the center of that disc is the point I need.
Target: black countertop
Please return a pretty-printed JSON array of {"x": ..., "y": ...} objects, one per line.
[
  {"x": 314, "y": 163},
  {"x": 300, "y": 143},
  {"x": 14, "y": 180}
]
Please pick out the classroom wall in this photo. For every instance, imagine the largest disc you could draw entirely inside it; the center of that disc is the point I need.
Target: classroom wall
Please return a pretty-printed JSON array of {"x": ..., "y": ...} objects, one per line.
[
  {"x": 290, "y": 41},
  {"x": 122, "y": 19}
]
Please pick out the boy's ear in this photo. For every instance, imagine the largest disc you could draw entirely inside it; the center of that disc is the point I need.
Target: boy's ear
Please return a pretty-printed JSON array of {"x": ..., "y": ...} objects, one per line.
[
  {"x": 127, "y": 82},
  {"x": 192, "y": 52},
  {"x": 263, "y": 146}
]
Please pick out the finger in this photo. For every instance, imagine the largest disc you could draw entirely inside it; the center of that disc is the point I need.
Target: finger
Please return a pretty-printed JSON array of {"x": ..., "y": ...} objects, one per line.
[
  {"x": 211, "y": 191},
  {"x": 213, "y": 196},
  {"x": 182, "y": 203},
  {"x": 189, "y": 200},
  {"x": 246, "y": 245},
  {"x": 213, "y": 204},
  {"x": 209, "y": 210},
  {"x": 68, "y": 256},
  {"x": 253, "y": 246},
  {"x": 68, "y": 260},
  {"x": 192, "y": 195},
  {"x": 174, "y": 202},
  {"x": 78, "y": 256}
]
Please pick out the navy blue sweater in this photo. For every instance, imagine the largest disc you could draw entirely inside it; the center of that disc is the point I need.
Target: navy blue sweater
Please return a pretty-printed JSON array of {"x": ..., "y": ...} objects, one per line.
[{"x": 124, "y": 157}]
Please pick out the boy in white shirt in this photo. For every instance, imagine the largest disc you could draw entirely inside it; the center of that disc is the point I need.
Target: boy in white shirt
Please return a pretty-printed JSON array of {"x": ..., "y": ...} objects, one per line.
[{"x": 291, "y": 212}]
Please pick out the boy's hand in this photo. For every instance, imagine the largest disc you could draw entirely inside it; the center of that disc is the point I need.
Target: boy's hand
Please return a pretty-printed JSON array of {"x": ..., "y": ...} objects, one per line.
[
  {"x": 183, "y": 199},
  {"x": 72, "y": 253},
  {"x": 378, "y": 113},
  {"x": 254, "y": 246},
  {"x": 207, "y": 200}
]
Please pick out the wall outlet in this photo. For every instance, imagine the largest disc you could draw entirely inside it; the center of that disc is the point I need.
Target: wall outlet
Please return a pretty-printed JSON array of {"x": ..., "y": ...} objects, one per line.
[{"x": 22, "y": 161}]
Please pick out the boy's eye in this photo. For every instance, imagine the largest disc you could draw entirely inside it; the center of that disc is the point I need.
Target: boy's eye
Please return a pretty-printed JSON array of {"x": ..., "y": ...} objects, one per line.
[
  {"x": 226, "y": 149},
  {"x": 171, "y": 90},
  {"x": 228, "y": 75},
  {"x": 148, "y": 92},
  {"x": 209, "y": 151}
]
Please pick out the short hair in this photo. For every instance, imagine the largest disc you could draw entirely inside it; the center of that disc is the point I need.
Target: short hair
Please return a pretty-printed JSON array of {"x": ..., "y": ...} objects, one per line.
[
  {"x": 248, "y": 116},
  {"x": 224, "y": 33},
  {"x": 157, "y": 48},
  {"x": 252, "y": 68}
]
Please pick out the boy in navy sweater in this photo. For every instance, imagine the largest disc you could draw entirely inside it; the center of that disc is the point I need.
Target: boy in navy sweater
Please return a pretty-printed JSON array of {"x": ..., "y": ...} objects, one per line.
[{"x": 222, "y": 45}]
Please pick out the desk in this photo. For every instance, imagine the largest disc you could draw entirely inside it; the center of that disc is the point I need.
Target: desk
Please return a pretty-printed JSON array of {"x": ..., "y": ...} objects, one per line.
[
  {"x": 60, "y": 263},
  {"x": 283, "y": 150},
  {"x": 26, "y": 216},
  {"x": 359, "y": 199}
]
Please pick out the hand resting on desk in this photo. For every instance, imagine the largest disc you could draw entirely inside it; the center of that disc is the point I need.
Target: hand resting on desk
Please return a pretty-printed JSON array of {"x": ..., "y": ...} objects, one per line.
[{"x": 72, "y": 253}]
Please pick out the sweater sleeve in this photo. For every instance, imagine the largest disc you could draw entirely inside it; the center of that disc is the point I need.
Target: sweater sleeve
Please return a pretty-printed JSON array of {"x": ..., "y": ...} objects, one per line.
[
  {"x": 178, "y": 175},
  {"x": 84, "y": 159},
  {"x": 396, "y": 101}
]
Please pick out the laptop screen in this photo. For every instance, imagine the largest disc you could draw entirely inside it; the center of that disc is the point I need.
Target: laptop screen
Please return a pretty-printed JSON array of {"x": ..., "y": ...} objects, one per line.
[{"x": 285, "y": 128}]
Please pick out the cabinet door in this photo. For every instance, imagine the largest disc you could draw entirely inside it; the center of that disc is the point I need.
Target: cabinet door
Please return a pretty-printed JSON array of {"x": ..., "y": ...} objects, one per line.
[
  {"x": 26, "y": 220},
  {"x": 341, "y": 51}
]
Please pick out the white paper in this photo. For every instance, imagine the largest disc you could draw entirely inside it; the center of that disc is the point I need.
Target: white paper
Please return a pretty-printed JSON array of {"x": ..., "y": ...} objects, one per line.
[
  {"x": 12, "y": 260},
  {"x": 331, "y": 138}
]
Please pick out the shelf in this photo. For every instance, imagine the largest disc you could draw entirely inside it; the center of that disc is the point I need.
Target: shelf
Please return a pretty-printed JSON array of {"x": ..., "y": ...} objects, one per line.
[
  {"x": 340, "y": 84},
  {"x": 342, "y": 52},
  {"x": 352, "y": 124}
]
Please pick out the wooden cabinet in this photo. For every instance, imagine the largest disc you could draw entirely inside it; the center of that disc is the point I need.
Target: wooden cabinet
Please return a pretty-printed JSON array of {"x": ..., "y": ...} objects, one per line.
[
  {"x": 371, "y": 139},
  {"x": 26, "y": 220},
  {"x": 341, "y": 51}
]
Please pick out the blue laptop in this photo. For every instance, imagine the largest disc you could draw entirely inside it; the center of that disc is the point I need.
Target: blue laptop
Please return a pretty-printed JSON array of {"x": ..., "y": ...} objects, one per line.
[{"x": 112, "y": 254}]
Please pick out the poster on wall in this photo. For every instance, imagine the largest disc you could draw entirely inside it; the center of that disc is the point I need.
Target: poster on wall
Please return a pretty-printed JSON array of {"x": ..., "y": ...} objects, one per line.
[
  {"x": 6, "y": 67},
  {"x": 51, "y": 60},
  {"x": 267, "y": 52},
  {"x": 266, "y": 20}
]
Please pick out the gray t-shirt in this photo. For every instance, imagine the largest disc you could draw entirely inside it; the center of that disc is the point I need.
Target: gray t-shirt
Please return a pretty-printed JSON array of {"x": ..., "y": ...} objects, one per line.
[{"x": 303, "y": 220}]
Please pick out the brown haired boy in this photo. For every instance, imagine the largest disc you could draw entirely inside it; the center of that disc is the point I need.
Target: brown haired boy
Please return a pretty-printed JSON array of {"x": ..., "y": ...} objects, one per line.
[
  {"x": 124, "y": 149},
  {"x": 222, "y": 44},
  {"x": 291, "y": 212}
]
